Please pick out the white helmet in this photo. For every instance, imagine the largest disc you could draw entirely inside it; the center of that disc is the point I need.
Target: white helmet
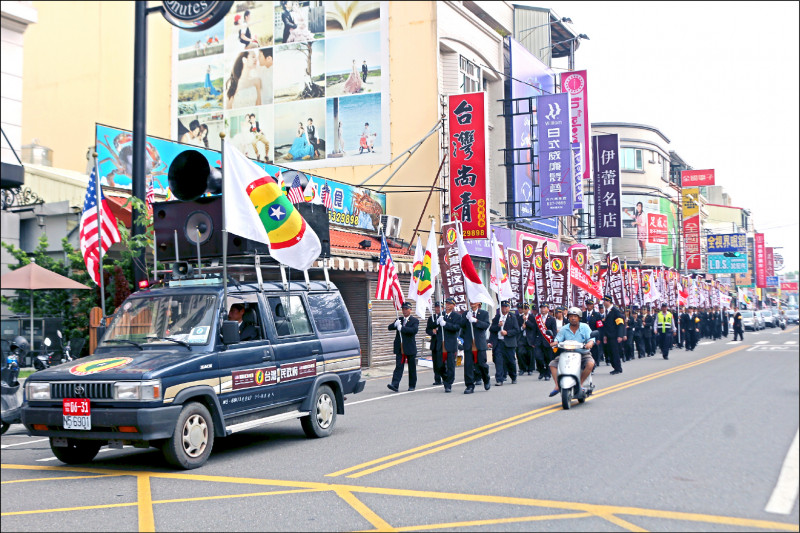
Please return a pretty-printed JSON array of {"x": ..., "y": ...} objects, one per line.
[{"x": 574, "y": 311}]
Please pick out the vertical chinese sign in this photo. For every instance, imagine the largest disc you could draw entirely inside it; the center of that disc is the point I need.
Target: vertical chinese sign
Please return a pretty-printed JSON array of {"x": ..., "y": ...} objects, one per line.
[
  {"x": 607, "y": 186},
  {"x": 579, "y": 254},
  {"x": 452, "y": 276},
  {"x": 691, "y": 227},
  {"x": 555, "y": 155},
  {"x": 770, "y": 261},
  {"x": 574, "y": 84},
  {"x": 528, "y": 252},
  {"x": 515, "y": 273},
  {"x": 761, "y": 261},
  {"x": 657, "y": 229},
  {"x": 559, "y": 279},
  {"x": 468, "y": 184}
]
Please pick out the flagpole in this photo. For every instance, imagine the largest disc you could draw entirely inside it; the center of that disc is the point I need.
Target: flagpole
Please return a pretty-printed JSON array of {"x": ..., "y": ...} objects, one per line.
[
  {"x": 383, "y": 239},
  {"x": 441, "y": 289},
  {"x": 100, "y": 233},
  {"x": 224, "y": 228}
]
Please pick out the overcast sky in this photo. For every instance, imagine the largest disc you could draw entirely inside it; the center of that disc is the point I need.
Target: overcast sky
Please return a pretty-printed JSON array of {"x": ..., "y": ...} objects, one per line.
[{"x": 719, "y": 79}]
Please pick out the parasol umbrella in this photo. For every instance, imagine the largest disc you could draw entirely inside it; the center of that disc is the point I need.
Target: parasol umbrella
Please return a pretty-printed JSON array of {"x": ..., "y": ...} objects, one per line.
[{"x": 32, "y": 277}]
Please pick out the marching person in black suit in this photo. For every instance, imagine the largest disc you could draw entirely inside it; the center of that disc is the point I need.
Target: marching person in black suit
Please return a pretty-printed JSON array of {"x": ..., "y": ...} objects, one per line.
[
  {"x": 613, "y": 332},
  {"x": 738, "y": 326},
  {"x": 542, "y": 350},
  {"x": 695, "y": 322},
  {"x": 405, "y": 348},
  {"x": 450, "y": 324},
  {"x": 474, "y": 324},
  {"x": 506, "y": 327},
  {"x": 524, "y": 351},
  {"x": 648, "y": 320},
  {"x": 630, "y": 324},
  {"x": 592, "y": 318},
  {"x": 687, "y": 329},
  {"x": 432, "y": 329},
  {"x": 638, "y": 333},
  {"x": 716, "y": 319},
  {"x": 725, "y": 318}
]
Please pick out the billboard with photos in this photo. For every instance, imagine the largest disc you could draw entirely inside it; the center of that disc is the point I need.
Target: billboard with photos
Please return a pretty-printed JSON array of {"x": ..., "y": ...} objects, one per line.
[{"x": 300, "y": 83}]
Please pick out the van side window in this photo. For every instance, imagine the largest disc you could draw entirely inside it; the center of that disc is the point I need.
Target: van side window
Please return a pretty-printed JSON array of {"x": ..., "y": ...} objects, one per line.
[
  {"x": 289, "y": 315},
  {"x": 329, "y": 312},
  {"x": 251, "y": 325}
]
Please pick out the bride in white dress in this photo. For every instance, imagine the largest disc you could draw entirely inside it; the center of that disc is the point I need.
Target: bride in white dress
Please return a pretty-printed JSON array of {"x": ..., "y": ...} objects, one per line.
[
  {"x": 301, "y": 32},
  {"x": 243, "y": 88}
]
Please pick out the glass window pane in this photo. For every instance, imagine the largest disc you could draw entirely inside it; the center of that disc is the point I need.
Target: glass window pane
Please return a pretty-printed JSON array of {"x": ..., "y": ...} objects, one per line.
[
  {"x": 639, "y": 165},
  {"x": 328, "y": 311},
  {"x": 289, "y": 315}
]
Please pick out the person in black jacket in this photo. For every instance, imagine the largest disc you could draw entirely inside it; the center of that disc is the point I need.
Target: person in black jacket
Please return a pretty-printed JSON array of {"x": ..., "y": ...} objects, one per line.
[
  {"x": 638, "y": 333},
  {"x": 247, "y": 328},
  {"x": 738, "y": 326},
  {"x": 695, "y": 323},
  {"x": 725, "y": 318},
  {"x": 524, "y": 350},
  {"x": 630, "y": 325},
  {"x": 432, "y": 329},
  {"x": 648, "y": 320},
  {"x": 613, "y": 332},
  {"x": 593, "y": 318},
  {"x": 716, "y": 319},
  {"x": 450, "y": 324},
  {"x": 474, "y": 324},
  {"x": 288, "y": 21},
  {"x": 506, "y": 327},
  {"x": 687, "y": 329},
  {"x": 677, "y": 339},
  {"x": 542, "y": 350},
  {"x": 405, "y": 348}
]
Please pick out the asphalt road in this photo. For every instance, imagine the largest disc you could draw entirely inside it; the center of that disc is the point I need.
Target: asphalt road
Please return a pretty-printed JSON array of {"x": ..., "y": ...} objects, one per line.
[{"x": 699, "y": 442}]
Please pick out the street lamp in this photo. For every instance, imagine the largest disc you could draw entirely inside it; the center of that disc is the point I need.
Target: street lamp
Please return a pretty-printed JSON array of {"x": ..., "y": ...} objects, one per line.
[{"x": 565, "y": 20}]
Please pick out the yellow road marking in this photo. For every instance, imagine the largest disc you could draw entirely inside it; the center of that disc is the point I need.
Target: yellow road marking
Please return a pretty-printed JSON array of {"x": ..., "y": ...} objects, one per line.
[
  {"x": 512, "y": 520},
  {"x": 509, "y": 500},
  {"x": 245, "y": 495},
  {"x": 624, "y": 524},
  {"x": 58, "y": 478},
  {"x": 83, "y": 508},
  {"x": 469, "y": 436},
  {"x": 145, "y": 503},
  {"x": 370, "y": 515}
]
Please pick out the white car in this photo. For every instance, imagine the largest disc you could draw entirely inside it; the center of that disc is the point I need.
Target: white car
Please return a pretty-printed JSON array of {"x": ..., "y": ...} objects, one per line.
[
  {"x": 769, "y": 319},
  {"x": 792, "y": 316},
  {"x": 749, "y": 321}
]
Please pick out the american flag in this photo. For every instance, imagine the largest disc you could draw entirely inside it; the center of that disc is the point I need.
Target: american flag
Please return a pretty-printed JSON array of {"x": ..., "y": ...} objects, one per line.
[
  {"x": 388, "y": 283},
  {"x": 89, "y": 240},
  {"x": 150, "y": 197},
  {"x": 327, "y": 201},
  {"x": 296, "y": 192}
]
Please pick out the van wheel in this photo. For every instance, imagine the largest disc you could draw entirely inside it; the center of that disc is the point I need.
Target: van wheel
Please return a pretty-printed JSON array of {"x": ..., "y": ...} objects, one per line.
[
  {"x": 192, "y": 438},
  {"x": 5, "y": 427},
  {"x": 320, "y": 422},
  {"x": 76, "y": 451}
]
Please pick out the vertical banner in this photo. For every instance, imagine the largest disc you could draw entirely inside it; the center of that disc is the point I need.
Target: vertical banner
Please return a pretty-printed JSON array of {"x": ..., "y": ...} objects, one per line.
[
  {"x": 691, "y": 227},
  {"x": 761, "y": 261},
  {"x": 528, "y": 251},
  {"x": 607, "y": 186},
  {"x": 574, "y": 84},
  {"x": 545, "y": 273},
  {"x": 559, "y": 279},
  {"x": 468, "y": 185},
  {"x": 452, "y": 277},
  {"x": 596, "y": 271},
  {"x": 539, "y": 276},
  {"x": 769, "y": 256},
  {"x": 615, "y": 281},
  {"x": 515, "y": 273},
  {"x": 579, "y": 254},
  {"x": 579, "y": 162},
  {"x": 555, "y": 155},
  {"x": 657, "y": 229}
]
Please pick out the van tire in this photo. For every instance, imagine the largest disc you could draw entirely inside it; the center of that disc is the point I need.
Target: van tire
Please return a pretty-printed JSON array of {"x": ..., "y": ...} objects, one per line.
[
  {"x": 77, "y": 451},
  {"x": 192, "y": 438},
  {"x": 322, "y": 418}
]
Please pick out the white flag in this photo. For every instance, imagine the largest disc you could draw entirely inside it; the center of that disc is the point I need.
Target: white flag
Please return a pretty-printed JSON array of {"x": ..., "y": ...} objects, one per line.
[
  {"x": 415, "y": 271},
  {"x": 256, "y": 209},
  {"x": 500, "y": 282},
  {"x": 311, "y": 192},
  {"x": 428, "y": 273},
  {"x": 476, "y": 291}
]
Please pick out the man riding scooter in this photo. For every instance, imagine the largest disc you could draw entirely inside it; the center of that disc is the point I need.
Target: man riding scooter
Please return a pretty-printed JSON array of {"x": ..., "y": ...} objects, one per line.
[{"x": 575, "y": 331}]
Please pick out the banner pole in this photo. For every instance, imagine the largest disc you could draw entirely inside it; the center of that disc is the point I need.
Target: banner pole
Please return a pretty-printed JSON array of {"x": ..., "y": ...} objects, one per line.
[
  {"x": 224, "y": 227},
  {"x": 99, "y": 232}
]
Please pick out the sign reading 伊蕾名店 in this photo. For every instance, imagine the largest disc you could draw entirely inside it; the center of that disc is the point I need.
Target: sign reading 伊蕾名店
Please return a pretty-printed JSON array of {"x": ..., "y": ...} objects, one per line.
[
  {"x": 469, "y": 194},
  {"x": 607, "y": 186}
]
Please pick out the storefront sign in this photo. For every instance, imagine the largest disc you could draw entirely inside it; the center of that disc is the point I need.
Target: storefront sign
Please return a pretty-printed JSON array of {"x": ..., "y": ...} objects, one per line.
[
  {"x": 761, "y": 261},
  {"x": 574, "y": 83},
  {"x": 657, "y": 229},
  {"x": 607, "y": 186},
  {"x": 697, "y": 178},
  {"x": 691, "y": 227},
  {"x": 789, "y": 286},
  {"x": 719, "y": 264},
  {"x": 195, "y": 15},
  {"x": 468, "y": 185},
  {"x": 718, "y": 244},
  {"x": 579, "y": 162},
  {"x": 555, "y": 155},
  {"x": 772, "y": 281},
  {"x": 769, "y": 261}
]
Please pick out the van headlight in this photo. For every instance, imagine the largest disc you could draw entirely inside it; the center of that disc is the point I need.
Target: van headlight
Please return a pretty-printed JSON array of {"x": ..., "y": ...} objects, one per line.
[
  {"x": 37, "y": 390},
  {"x": 137, "y": 390}
]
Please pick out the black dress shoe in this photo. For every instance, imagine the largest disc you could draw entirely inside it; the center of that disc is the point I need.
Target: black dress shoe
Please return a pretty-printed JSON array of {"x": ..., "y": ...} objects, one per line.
[
  {"x": 546, "y": 378},
  {"x": 498, "y": 384},
  {"x": 447, "y": 389},
  {"x": 469, "y": 390},
  {"x": 391, "y": 387},
  {"x": 513, "y": 381},
  {"x": 487, "y": 385},
  {"x": 541, "y": 376},
  {"x": 436, "y": 383},
  {"x": 410, "y": 389},
  {"x": 613, "y": 372}
]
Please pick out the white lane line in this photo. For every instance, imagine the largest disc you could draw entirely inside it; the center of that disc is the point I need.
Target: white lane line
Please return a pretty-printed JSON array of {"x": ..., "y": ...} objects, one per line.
[
  {"x": 4, "y": 446},
  {"x": 790, "y": 342},
  {"x": 776, "y": 332},
  {"x": 53, "y": 458},
  {"x": 396, "y": 394},
  {"x": 734, "y": 342},
  {"x": 785, "y": 492},
  {"x": 705, "y": 342},
  {"x": 762, "y": 342}
]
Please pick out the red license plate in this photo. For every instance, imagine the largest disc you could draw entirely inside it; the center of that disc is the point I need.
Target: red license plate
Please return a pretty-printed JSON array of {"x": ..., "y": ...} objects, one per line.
[{"x": 76, "y": 407}]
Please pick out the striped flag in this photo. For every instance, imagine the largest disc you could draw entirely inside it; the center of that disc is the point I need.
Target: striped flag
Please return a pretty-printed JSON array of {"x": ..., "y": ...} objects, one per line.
[
  {"x": 296, "y": 192},
  {"x": 150, "y": 197},
  {"x": 90, "y": 238},
  {"x": 388, "y": 282},
  {"x": 327, "y": 201}
]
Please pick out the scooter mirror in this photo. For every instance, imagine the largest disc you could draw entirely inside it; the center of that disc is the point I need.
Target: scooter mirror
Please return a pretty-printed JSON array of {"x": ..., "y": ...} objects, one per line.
[
  {"x": 58, "y": 332},
  {"x": 47, "y": 342}
]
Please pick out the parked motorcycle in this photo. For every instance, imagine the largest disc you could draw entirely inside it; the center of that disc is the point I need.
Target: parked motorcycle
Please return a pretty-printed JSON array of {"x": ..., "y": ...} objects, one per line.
[
  {"x": 10, "y": 390},
  {"x": 66, "y": 354},
  {"x": 44, "y": 358},
  {"x": 569, "y": 372}
]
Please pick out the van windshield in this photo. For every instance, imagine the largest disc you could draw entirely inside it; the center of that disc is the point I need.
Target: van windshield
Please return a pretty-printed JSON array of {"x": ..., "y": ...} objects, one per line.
[{"x": 157, "y": 319}]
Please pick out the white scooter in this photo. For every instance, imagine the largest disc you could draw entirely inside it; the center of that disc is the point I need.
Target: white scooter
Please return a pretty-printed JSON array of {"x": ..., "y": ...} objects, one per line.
[{"x": 569, "y": 372}]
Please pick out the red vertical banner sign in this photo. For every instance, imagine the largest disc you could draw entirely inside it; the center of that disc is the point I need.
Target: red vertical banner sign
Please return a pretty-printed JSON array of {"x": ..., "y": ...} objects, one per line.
[
  {"x": 528, "y": 249},
  {"x": 468, "y": 185},
  {"x": 579, "y": 254},
  {"x": 691, "y": 227},
  {"x": 761, "y": 261},
  {"x": 770, "y": 261},
  {"x": 515, "y": 273},
  {"x": 574, "y": 83}
]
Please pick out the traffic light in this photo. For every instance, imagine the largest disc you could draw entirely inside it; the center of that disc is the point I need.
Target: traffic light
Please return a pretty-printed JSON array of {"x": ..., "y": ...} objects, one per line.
[{"x": 732, "y": 254}]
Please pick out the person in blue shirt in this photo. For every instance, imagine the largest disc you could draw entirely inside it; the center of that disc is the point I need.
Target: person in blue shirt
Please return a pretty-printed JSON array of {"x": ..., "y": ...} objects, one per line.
[{"x": 575, "y": 331}]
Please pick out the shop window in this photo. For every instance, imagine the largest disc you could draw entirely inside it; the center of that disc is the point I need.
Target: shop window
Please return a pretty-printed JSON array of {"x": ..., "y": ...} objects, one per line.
[
  {"x": 470, "y": 74},
  {"x": 631, "y": 159}
]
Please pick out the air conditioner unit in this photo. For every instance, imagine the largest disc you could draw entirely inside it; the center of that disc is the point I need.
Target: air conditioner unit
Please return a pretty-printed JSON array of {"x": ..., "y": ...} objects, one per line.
[{"x": 391, "y": 225}]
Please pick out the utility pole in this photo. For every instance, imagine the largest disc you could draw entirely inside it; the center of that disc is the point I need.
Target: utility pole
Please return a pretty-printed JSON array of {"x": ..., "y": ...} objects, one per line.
[{"x": 139, "y": 126}]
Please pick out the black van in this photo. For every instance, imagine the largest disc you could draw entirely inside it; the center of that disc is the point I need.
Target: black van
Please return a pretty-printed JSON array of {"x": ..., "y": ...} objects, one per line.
[{"x": 172, "y": 373}]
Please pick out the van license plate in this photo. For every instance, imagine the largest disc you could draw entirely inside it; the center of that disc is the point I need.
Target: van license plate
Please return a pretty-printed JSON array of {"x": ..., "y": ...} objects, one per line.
[{"x": 77, "y": 413}]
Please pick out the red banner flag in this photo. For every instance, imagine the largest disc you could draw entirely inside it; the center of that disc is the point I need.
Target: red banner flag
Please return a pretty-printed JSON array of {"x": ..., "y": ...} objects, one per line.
[{"x": 581, "y": 279}]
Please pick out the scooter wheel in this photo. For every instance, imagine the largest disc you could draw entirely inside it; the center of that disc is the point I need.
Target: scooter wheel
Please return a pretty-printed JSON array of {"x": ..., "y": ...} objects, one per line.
[
  {"x": 566, "y": 398},
  {"x": 581, "y": 400},
  {"x": 4, "y": 428}
]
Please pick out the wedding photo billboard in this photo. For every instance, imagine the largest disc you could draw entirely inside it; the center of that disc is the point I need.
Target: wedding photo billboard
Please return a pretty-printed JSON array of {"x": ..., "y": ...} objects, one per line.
[{"x": 300, "y": 83}]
